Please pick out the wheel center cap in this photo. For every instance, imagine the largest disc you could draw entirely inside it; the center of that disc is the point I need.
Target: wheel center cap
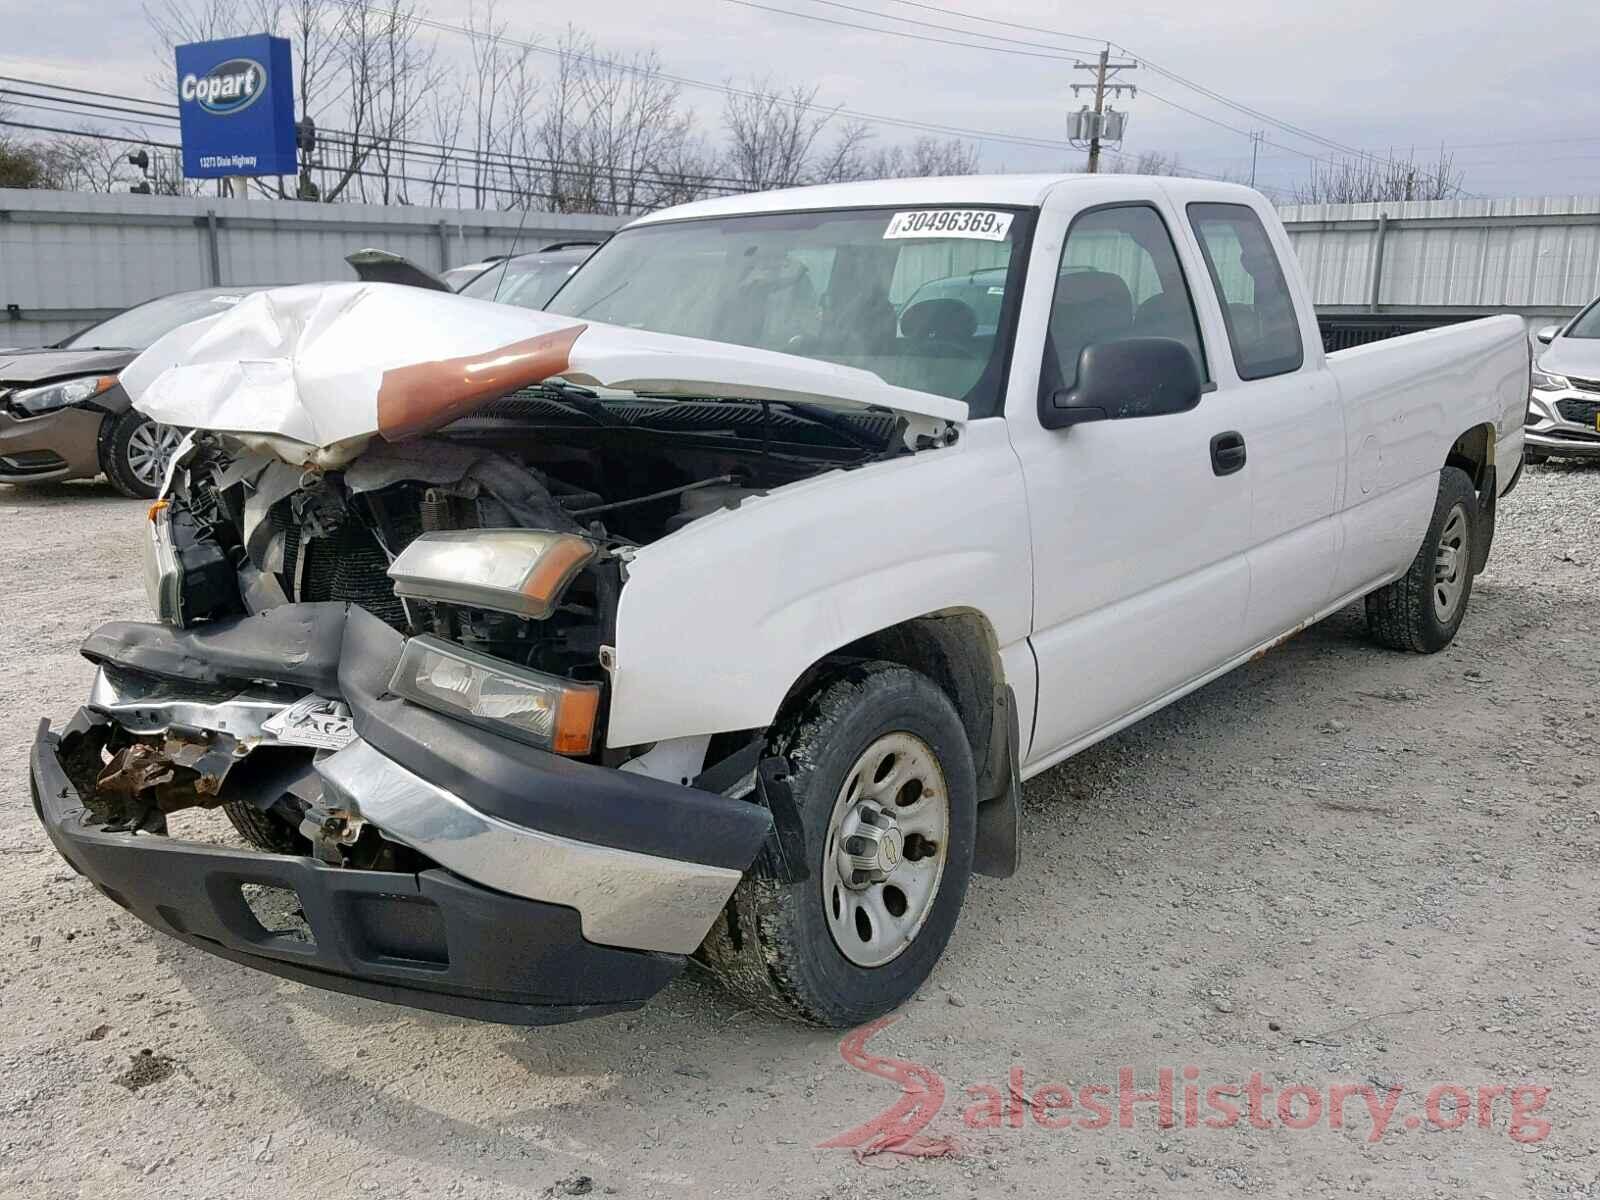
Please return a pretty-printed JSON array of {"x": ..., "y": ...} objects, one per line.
[
  {"x": 1445, "y": 564},
  {"x": 889, "y": 849},
  {"x": 871, "y": 848}
]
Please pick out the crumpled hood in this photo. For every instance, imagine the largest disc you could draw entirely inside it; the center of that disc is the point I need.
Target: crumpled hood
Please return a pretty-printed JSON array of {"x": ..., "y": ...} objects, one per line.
[{"x": 311, "y": 373}]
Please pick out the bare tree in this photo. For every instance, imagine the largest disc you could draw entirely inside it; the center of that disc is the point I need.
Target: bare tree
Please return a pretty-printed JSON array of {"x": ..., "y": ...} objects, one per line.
[
  {"x": 634, "y": 123},
  {"x": 614, "y": 135},
  {"x": 447, "y": 108},
  {"x": 497, "y": 106},
  {"x": 926, "y": 156},
  {"x": 1147, "y": 162},
  {"x": 1365, "y": 179},
  {"x": 387, "y": 76},
  {"x": 772, "y": 133},
  {"x": 83, "y": 162}
]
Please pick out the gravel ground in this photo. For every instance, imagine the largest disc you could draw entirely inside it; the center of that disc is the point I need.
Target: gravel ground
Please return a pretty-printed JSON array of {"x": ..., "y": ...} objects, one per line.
[{"x": 1337, "y": 866}]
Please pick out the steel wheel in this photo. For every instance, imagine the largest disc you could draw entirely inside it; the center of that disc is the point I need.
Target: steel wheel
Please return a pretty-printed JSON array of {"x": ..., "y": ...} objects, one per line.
[
  {"x": 1451, "y": 565},
  {"x": 150, "y": 449},
  {"x": 888, "y": 839}
]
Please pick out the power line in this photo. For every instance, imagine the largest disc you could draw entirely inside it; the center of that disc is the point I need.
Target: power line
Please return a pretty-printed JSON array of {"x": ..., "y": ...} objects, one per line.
[
  {"x": 723, "y": 89},
  {"x": 1182, "y": 81},
  {"x": 1105, "y": 72},
  {"x": 416, "y": 147},
  {"x": 61, "y": 87},
  {"x": 956, "y": 12},
  {"x": 518, "y": 193},
  {"x": 1023, "y": 53},
  {"x": 872, "y": 12},
  {"x": 917, "y": 37}
]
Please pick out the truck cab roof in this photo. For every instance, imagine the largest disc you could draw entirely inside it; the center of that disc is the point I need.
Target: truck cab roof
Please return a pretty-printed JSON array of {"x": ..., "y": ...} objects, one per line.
[{"x": 1020, "y": 191}]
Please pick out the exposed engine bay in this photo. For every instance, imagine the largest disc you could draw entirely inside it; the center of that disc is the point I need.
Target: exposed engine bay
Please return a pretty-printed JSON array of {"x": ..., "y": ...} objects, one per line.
[
  {"x": 550, "y": 458},
  {"x": 251, "y": 534}
]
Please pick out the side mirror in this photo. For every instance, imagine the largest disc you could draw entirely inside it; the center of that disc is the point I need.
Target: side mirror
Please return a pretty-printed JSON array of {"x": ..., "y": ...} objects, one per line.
[
  {"x": 1136, "y": 377},
  {"x": 1548, "y": 334}
]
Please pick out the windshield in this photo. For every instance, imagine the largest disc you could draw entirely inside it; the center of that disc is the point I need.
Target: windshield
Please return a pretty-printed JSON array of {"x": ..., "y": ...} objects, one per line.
[
  {"x": 142, "y": 324},
  {"x": 529, "y": 281},
  {"x": 1587, "y": 325},
  {"x": 912, "y": 295},
  {"x": 459, "y": 277}
]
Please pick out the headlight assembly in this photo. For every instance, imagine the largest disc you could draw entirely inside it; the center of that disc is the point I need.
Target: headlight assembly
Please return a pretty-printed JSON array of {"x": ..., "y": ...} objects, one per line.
[
  {"x": 543, "y": 710},
  {"x": 517, "y": 571},
  {"x": 40, "y": 400},
  {"x": 163, "y": 576},
  {"x": 1543, "y": 381}
]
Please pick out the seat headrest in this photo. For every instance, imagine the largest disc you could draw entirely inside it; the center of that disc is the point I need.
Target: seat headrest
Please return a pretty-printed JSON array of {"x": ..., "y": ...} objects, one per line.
[
  {"x": 1093, "y": 287},
  {"x": 943, "y": 319}
]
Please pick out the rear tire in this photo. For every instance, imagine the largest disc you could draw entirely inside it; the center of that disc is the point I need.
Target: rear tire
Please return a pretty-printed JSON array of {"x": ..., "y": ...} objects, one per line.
[
  {"x": 134, "y": 451},
  {"x": 882, "y": 776},
  {"x": 1422, "y": 610}
]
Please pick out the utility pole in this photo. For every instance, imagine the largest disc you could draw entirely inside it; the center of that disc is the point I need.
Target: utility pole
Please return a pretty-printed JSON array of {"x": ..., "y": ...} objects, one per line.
[
  {"x": 1256, "y": 136},
  {"x": 1105, "y": 72}
]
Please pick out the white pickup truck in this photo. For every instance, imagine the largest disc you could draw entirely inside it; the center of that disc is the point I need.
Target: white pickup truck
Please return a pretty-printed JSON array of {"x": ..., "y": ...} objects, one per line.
[{"x": 721, "y": 610}]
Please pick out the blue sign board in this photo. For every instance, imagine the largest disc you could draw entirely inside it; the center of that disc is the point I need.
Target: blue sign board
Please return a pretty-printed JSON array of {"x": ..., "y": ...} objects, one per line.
[{"x": 236, "y": 107}]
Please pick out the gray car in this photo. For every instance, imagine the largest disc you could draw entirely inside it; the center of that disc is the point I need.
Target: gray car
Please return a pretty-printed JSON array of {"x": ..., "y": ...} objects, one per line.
[
  {"x": 1564, "y": 410},
  {"x": 529, "y": 280},
  {"x": 63, "y": 415}
]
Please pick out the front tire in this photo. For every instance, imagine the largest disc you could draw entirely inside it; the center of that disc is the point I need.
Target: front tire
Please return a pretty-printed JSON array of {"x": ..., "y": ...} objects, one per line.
[
  {"x": 1422, "y": 610},
  {"x": 134, "y": 452},
  {"x": 882, "y": 776},
  {"x": 263, "y": 830}
]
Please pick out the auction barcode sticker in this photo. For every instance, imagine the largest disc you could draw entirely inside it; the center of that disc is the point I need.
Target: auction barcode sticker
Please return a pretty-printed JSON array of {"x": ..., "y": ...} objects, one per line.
[{"x": 981, "y": 223}]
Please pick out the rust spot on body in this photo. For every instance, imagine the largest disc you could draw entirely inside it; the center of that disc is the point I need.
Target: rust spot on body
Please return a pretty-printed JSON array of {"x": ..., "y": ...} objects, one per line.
[{"x": 423, "y": 397}]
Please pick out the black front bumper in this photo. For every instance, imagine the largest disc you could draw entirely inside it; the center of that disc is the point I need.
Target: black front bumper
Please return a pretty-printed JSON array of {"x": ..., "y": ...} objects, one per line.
[{"x": 428, "y": 940}]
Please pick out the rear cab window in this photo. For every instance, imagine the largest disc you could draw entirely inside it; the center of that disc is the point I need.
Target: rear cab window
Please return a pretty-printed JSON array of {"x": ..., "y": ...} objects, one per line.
[{"x": 1257, "y": 307}]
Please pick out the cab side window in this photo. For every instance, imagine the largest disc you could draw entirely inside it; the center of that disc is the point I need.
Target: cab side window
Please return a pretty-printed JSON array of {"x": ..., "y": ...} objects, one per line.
[
  {"x": 1119, "y": 278},
  {"x": 1256, "y": 305}
]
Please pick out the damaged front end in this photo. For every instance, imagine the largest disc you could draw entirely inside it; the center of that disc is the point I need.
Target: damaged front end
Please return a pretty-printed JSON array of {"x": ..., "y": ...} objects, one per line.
[
  {"x": 385, "y": 651},
  {"x": 430, "y": 862}
]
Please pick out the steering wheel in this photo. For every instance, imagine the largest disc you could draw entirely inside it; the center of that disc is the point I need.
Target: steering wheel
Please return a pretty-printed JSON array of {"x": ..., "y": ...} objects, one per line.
[{"x": 943, "y": 326}]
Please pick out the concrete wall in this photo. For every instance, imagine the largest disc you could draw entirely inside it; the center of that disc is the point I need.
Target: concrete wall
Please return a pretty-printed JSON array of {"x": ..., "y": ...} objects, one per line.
[{"x": 68, "y": 259}]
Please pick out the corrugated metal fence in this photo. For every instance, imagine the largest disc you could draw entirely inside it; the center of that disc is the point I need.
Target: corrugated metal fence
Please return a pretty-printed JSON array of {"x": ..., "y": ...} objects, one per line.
[
  {"x": 70, "y": 258},
  {"x": 1538, "y": 257}
]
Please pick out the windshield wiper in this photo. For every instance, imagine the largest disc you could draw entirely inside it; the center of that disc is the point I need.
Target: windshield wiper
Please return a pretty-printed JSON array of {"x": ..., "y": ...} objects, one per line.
[
  {"x": 817, "y": 414},
  {"x": 581, "y": 400}
]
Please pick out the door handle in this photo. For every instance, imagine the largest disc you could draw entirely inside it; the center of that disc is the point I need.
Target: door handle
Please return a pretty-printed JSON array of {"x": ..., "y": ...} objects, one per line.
[{"x": 1227, "y": 453}]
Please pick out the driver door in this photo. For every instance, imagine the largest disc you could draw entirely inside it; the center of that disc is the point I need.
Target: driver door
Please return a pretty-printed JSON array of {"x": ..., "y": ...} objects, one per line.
[{"x": 1140, "y": 537}]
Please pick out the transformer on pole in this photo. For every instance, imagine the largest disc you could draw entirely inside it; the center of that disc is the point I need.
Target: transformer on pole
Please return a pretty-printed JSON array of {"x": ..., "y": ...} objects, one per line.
[{"x": 1098, "y": 124}]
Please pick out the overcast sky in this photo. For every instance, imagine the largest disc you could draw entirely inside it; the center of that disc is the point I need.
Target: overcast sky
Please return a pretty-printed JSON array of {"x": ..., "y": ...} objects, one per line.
[{"x": 1513, "y": 90}]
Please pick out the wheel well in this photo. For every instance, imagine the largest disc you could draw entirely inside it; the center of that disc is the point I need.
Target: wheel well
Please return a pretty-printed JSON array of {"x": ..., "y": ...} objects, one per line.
[
  {"x": 956, "y": 649},
  {"x": 1473, "y": 452}
]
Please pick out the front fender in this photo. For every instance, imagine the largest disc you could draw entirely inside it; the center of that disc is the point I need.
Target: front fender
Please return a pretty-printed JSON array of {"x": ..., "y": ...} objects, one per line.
[{"x": 718, "y": 621}]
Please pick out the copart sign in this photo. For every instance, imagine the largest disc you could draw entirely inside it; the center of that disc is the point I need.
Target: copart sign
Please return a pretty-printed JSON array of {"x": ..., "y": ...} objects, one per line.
[{"x": 236, "y": 107}]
